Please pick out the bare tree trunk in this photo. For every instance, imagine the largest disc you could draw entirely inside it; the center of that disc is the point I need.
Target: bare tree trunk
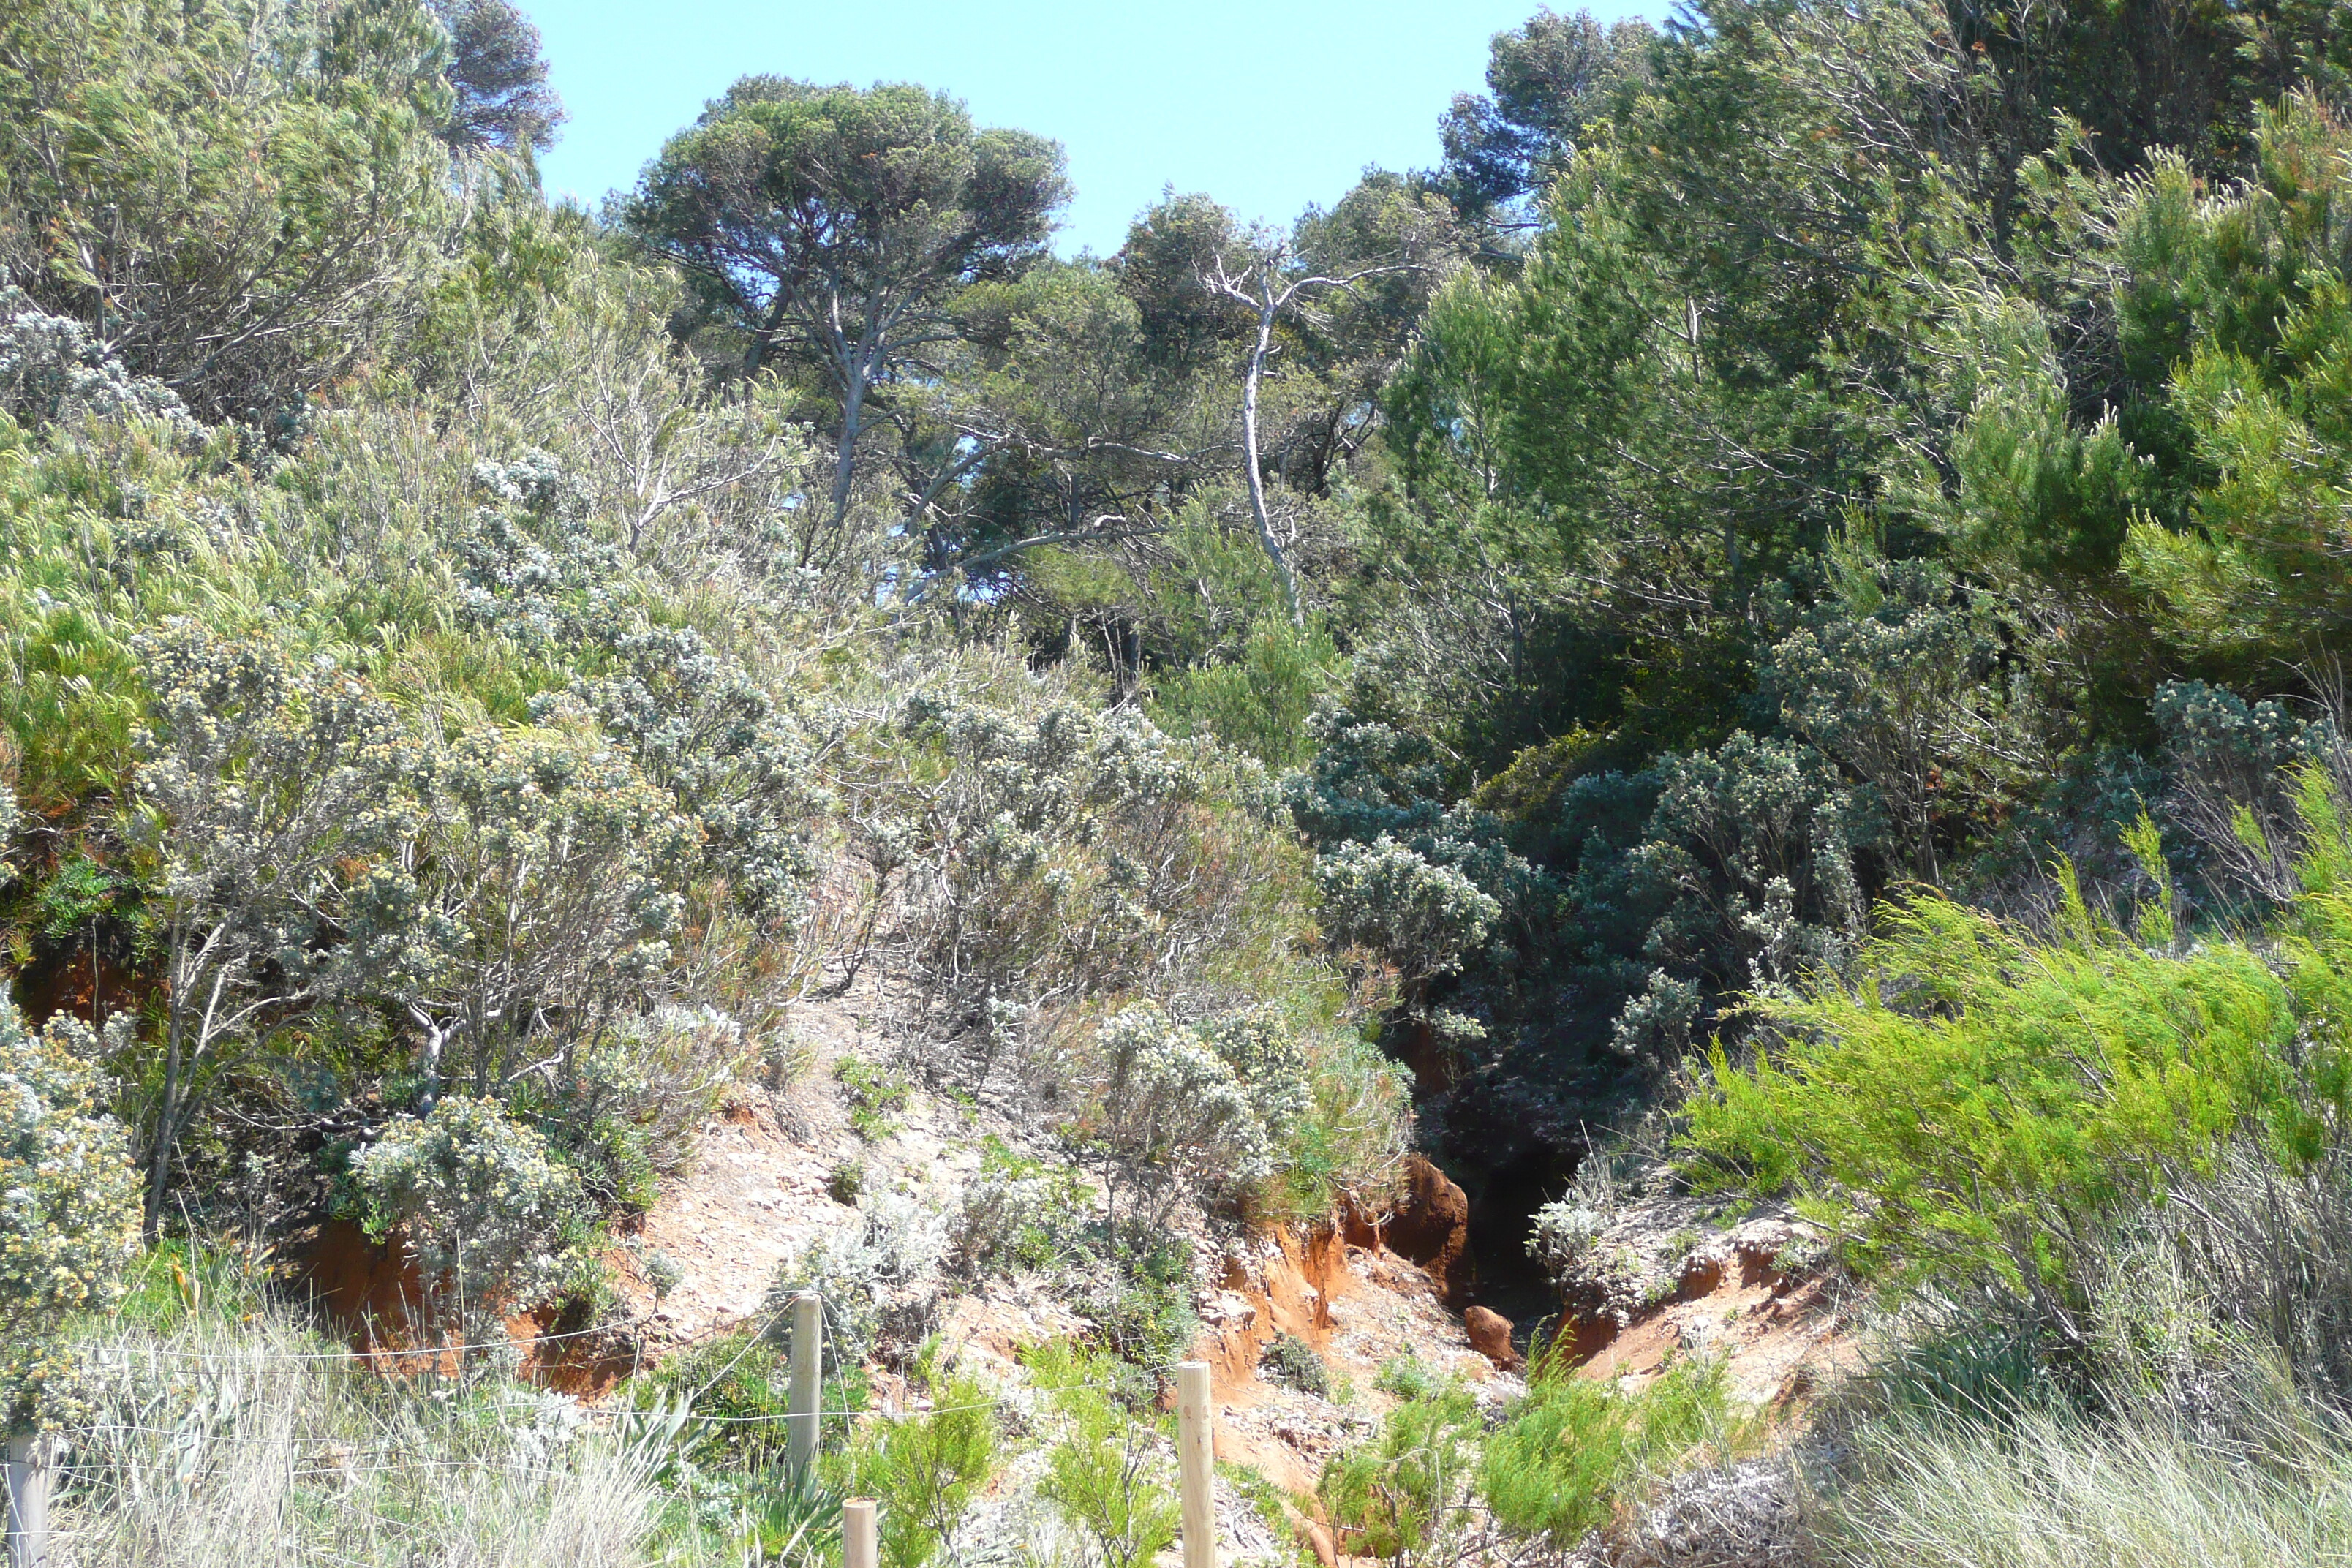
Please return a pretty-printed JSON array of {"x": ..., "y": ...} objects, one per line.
[
  {"x": 159, "y": 1158},
  {"x": 1259, "y": 285},
  {"x": 1250, "y": 460},
  {"x": 856, "y": 383},
  {"x": 756, "y": 355},
  {"x": 167, "y": 1109},
  {"x": 436, "y": 1040},
  {"x": 845, "y": 456}
]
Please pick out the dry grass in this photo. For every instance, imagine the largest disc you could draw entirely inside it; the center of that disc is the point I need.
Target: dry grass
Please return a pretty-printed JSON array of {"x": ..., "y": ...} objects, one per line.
[
  {"x": 2049, "y": 1493},
  {"x": 245, "y": 1445}
]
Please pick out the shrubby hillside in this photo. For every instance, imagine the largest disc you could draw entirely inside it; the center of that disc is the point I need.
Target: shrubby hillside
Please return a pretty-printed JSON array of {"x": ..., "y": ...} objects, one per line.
[{"x": 1767, "y": 633}]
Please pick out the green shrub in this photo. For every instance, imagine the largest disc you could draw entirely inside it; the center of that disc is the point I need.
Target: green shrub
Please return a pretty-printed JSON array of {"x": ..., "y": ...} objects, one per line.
[
  {"x": 925, "y": 1470},
  {"x": 1407, "y": 1376},
  {"x": 846, "y": 1181},
  {"x": 250, "y": 200},
  {"x": 1574, "y": 1449},
  {"x": 878, "y": 1279},
  {"x": 664, "y": 1273},
  {"x": 1021, "y": 1213},
  {"x": 1390, "y": 897},
  {"x": 874, "y": 1096},
  {"x": 69, "y": 1203},
  {"x": 481, "y": 1205},
  {"x": 1107, "y": 1471},
  {"x": 1258, "y": 703},
  {"x": 1291, "y": 1362},
  {"x": 1400, "y": 1495},
  {"x": 1166, "y": 1114},
  {"x": 1974, "y": 1368},
  {"x": 737, "y": 1391},
  {"x": 1978, "y": 1094},
  {"x": 1137, "y": 1287},
  {"x": 779, "y": 1517}
]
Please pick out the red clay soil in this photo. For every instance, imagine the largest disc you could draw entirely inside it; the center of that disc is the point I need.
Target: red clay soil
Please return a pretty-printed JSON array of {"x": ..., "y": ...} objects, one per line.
[
  {"x": 1429, "y": 1224},
  {"x": 374, "y": 1294}
]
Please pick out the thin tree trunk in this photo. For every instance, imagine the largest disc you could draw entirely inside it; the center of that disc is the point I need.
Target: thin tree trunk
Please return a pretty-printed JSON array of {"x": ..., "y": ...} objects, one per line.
[
  {"x": 756, "y": 357},
  {"x": 167, "y": 1110},
  {"x": 1250, "y": 465},
  {"x": 845, "y": 457},
  {"x": 860, "y": 380}
]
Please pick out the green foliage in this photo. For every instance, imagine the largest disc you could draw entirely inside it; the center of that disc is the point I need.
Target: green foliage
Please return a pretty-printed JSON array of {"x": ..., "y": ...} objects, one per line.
[
  {"x": 261, "y": 786},
  {"x": 1257, "y": 703},
  {"x": 1106, "y": 1472},
  {"x": 1575, "y": 1450},
  {"x": 1979, "y": 1094},
  {"x": 1407, "y": 1377},
  {"x": 664, "y": 1273},
  {"x": 1548, "y": 80},
  {"x": 738, "y": 1390},
  {"x": 829, "y": 229},
  {"x": 1137, "y": 1288},
  {"x": 51, "y": 371},
  {"x": 69, "y": 1203},
  {"x": 925, "y": 1470},
  {"x": 244, "y": 200},
  {"x": 1291, "y": 1362},
  {"x": 1022, "y": 1212},
  {"x": 875, "y": 1094},
  {"x": 780, "y": 1517},
  {"x": 478, "y": 1203},
  {"x": 876, "y": 1277},
  {"x": 846, "y": 1181},
  {"x": 1387, "y": 897},
  {"x": 1167, "y": 1112},
  {"x": 1982, "y": 1371},
  {"x": 1753, "y": 846},
  {"x": 1400, "y": 1495}
]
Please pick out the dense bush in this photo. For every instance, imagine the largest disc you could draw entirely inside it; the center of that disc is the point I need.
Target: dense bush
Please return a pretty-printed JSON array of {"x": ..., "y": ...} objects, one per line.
[
  {"x": 478, "y": 1206},
  {"x": 1039, "y": 851},
  {"x": 1107, "y": 1472},
  {"x": 245, "y": 202},
  {"x": 68, "y": 1205},
  {"x": 51, "y": 371},
  {"x": 1403, "y": 1495},
  {"x": 464, "y": 679},
  {"x": 925, "y": 1470},
  {"x": 1576, "y": 1449},
  {"x": 1982, "y": 1095},
  {"x": 878, "y": 1278}
]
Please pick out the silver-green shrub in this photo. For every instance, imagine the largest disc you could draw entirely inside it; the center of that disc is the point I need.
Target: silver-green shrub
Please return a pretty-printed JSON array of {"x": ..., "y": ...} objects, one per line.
[
  {"x": 1165, "y": 1115},
  {"x": 68, "y": 1202},
  {"x": 264, "y": 778},
  {"x": 879, "y": 1276},
  {"x": 52, "y": 370},
  {"x": 1390, "y": 899},
  {"x": 478, "y": 1203}
]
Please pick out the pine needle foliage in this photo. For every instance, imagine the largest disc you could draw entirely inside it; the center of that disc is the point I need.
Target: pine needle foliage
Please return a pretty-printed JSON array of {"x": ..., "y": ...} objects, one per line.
[{"x": 1980, "y": 1096}]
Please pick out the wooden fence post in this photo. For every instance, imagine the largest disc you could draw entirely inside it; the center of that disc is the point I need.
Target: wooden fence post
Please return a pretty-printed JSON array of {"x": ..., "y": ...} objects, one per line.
[
  {"x": 1196, "y": 1459},
  {"x": 31, "y": 1460},
  {"x": 801, "y": 1417},
  {"x": 861, "y": 1540}
]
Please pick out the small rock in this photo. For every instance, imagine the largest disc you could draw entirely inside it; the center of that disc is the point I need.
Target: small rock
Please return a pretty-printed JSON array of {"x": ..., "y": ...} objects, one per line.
[
  {"x": 1490, "y": 1336},
  {"x": 1230, "y": 1308}
]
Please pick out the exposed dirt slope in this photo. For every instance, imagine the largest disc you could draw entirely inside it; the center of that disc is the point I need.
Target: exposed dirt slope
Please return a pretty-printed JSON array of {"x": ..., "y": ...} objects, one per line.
[{"x": 1667, "y": 1277}]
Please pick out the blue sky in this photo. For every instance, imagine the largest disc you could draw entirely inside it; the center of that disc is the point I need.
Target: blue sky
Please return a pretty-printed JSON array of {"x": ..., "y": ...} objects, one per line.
[{"x": 1267, "y": 106}]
